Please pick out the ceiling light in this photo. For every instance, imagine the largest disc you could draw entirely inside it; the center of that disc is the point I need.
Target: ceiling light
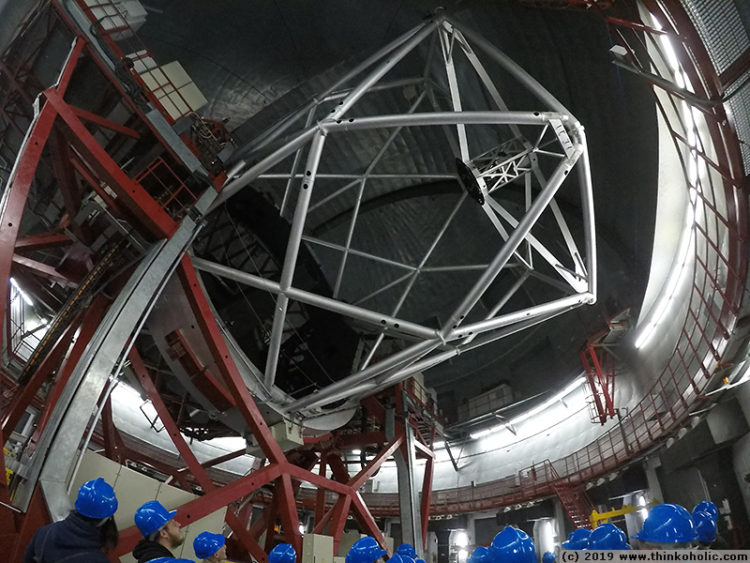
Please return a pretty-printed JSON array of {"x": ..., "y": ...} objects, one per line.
[
  {"x": 567, "y": 390},
  {"x": 356, "y": 452}
]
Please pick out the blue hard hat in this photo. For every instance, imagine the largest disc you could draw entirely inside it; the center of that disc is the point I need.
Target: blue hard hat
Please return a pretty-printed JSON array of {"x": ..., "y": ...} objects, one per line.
[
  {"x": 548, "y": 557},
  {"x": 420, "y": 561},
  {"x": 668, "y": 523},
  {"x": 206, "y": 544},
  {"x": 96, "y": 499},
  {"x": 705, "y": 526},
  {"x": 400, "y": 558},
  {"x": 512, "y": 545},
  {"x": 365, "y": 550},
  {"x": 480, "y": 555},
  {"x": 282, "y": 553},
  {"x": 707, "y": 506},
  {"x": 151, "y": 516},
  {"x": 577, "y": 539},
  {"x": 407, "y": 549},
  {"x": 609, "y": 537}
]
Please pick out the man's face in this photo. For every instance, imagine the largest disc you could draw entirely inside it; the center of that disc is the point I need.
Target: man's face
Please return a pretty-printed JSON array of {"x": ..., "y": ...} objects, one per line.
[
  {"x": 220, "y": 555},
  {"x": 174, "y": 534}
]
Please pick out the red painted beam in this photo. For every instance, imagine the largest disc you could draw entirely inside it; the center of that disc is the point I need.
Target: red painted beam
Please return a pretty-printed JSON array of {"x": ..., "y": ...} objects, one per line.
[
  {"x": 15, "y": 197},
  {"x": 217, "y": 345},
  {"x": 371, "y": 468},
  {"x": 338, "y": 520},
  {"x": 22, "y": 399},
  {"x": 366, "y": 520},
  {"x": 89, "y": 324},
  {"x": 43, "y": 270},
  {"x": 208, "y": 503},
  {"x": 59, "y": 152},
  {"x": 320, "y": 494},
  {"x": 199, "y": 375},
  {"x": 182, "y": 446},
  {"x": 104, "y": 122},
  {"x": 361, "y": 439},
  {"x": 112, "y": 440},
  {"x": 51, "y": 239},
  {"x": 426, "y": 499},
  {"x": 132, "y": 195},
  {"x": 288, "y": 511}
]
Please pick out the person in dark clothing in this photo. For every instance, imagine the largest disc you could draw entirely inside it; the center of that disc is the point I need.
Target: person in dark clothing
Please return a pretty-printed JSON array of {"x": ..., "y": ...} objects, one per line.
[
  {"x": 85, "y": 535},
  {"x": 161, "y": 532}
]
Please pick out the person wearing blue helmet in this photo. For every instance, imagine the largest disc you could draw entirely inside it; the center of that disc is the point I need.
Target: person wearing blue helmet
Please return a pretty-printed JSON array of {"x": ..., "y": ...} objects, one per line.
[
  {"x": 282, "y": 553},
  {"x": 512, "y": 545},
  {"x": 707, "y": 506},
  {"x": 400, "y": 558},
  {"x": 667, "y": 526},
  {"x": 708, "y": 530},
  {"x": 161, "y": 532},
  {"x": 480, "y": 555},
  {"x": 608, "y": 537},
  {"x": 548, "y": 557},
  {"x": 210, "y": 547},
  {"x": 88, "y": 532},
  {"x": 408, "y": 550},
  {"x": 365, "y": 550},
  {"x": 705, "y": 526},
  {"x": 577, "y": 539}
]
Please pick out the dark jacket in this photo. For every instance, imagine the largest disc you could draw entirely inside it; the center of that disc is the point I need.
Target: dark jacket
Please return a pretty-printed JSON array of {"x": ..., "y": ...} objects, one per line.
[
  {"x": 73, "y": 540},
  {"x": 146, "y": 550}
]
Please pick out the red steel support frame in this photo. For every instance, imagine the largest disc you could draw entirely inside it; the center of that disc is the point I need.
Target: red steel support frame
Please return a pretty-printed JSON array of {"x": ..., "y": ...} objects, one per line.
[
  {"x": 599, "y": 367},
  {"x": 280, "y": 470},
  {"x": 187, "y": 455}
]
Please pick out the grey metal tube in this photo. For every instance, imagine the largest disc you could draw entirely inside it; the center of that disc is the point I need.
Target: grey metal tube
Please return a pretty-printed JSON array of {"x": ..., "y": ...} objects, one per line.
[
  {"x": 510, "y": 246},
  {"x": 290, "y": 258},
  {"x": 56, "y": 454},
  {"x": 359, "y": 313},
  {"x": 342, "y": 388}
]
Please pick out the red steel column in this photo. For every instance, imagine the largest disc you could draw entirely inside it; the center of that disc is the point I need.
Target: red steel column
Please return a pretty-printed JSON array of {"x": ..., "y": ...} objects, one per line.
[
  {"x": 220, "y": 352},
  {"x": 187, "y": 454}
]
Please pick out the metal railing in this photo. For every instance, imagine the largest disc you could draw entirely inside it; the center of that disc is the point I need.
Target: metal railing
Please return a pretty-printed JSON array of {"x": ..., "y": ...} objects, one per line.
[{"x": 115, "y": 31}]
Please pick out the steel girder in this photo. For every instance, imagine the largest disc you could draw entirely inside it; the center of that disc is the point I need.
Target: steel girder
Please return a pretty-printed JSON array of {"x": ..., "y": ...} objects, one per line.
[{"x": 536, "y": 149}]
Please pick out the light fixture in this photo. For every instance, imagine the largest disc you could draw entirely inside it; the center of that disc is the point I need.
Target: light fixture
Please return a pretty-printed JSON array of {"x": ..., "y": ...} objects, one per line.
[
  {"x": 531, "y": 412},
  {"x": 461, "y": 539},
  {"x": 21, "y": 292},
  {"x": 356, "y": 452}
]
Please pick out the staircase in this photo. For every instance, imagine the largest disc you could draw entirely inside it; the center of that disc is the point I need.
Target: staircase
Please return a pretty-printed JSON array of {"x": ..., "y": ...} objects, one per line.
[{"x": 573, "y": 498}]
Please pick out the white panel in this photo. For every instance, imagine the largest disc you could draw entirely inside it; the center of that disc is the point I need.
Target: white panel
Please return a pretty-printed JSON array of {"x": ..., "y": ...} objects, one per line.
[
  {"x": 347, "y": 541},
  {"x": 193, "y": 96},
  {"x": 176, "y": 74},
  {"x": 132, "y": 490},
  {"x": 174, "y": 88},
  {"x": 213, "y": 523},
  {"x": 93, "y": 466},
  {"x": 317, "y": 549}
]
